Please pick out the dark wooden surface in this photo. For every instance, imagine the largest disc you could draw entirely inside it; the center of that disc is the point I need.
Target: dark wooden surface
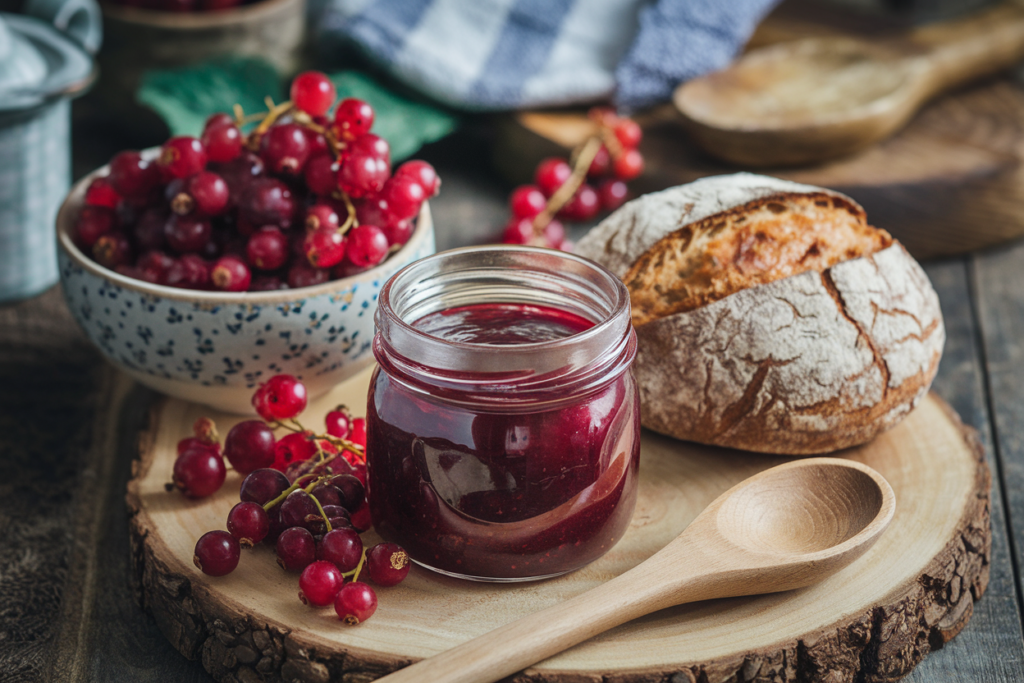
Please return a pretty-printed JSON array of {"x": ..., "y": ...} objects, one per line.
[{"x": 67, "y": 612}]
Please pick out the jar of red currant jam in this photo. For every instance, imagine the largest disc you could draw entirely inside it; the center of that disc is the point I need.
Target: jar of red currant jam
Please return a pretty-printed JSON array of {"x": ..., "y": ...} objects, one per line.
[{"x": 503, "y": 420}]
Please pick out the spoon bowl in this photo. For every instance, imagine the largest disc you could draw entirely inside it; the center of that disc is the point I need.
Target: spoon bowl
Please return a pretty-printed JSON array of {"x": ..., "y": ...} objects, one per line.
[{"x": 787, "y": 527}]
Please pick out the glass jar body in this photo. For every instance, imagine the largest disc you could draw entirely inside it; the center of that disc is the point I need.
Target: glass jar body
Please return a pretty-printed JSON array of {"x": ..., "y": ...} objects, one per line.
[{"x": 495, "y": 455}]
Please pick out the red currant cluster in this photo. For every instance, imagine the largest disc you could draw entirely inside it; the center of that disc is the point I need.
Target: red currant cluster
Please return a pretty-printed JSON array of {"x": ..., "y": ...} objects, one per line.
[
  {"x": 305, "y": 492},
  {"x": 560, "y": 191},
  {"x": 184, "y": 5},
  {"x": 226, "y": 211}
]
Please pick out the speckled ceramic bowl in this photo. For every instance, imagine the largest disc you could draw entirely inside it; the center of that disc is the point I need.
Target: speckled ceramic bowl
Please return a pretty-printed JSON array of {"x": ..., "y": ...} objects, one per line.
[{"x": 216, "y": 347}]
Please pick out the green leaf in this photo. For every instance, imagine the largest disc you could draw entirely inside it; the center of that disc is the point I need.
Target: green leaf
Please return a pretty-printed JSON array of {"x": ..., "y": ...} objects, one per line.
[
  {"x": 407, "y": 124},
  {"x": 185, "y": 97}
]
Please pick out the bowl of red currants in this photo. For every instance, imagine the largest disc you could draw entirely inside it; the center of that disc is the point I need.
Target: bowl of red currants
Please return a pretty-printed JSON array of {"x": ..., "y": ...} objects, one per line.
[{"x": 205, "y": 266}]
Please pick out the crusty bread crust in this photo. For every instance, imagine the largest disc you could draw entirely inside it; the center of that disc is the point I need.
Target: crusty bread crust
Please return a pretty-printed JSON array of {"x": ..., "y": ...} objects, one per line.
[{"x": 813, "y": 337}]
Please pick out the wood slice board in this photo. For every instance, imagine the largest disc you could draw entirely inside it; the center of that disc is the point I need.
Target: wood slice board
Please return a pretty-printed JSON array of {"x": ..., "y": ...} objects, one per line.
[{"x": 874, "y": 621}]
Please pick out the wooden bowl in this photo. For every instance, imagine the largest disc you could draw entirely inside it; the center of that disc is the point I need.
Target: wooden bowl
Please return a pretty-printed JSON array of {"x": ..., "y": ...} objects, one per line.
[
  {"x": 136, "y": 40},
  {"x": 214, "y": 348}
]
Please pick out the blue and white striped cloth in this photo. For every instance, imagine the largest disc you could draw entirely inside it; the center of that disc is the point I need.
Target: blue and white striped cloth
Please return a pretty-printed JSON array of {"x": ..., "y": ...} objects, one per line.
[{"x": 509, "y": 54}]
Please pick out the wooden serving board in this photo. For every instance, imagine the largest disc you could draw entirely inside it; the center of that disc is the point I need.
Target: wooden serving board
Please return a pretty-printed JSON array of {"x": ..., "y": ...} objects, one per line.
[{"x": 874, "y": 621}]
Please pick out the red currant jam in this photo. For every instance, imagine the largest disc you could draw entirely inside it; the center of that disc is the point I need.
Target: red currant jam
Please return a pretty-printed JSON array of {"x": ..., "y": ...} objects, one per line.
[{"x": 504, "y": 445}]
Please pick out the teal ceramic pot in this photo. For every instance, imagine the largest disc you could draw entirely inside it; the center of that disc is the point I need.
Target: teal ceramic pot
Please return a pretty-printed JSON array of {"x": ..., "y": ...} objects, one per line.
[{"x": 45, "y": 59}]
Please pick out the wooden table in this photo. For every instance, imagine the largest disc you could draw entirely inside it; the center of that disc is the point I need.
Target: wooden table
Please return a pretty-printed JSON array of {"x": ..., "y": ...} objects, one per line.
[{"x": 67, "y": 612}]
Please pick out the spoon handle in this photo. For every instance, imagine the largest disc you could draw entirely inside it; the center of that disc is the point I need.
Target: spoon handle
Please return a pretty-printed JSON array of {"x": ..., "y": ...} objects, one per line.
[
  {"x": 646, "y": 588},
  {"x": 962, "y": 50}
]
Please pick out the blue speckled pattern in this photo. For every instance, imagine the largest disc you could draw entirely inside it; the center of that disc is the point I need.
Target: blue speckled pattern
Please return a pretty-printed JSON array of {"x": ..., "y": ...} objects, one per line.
[{"x": 237, "y": 344}]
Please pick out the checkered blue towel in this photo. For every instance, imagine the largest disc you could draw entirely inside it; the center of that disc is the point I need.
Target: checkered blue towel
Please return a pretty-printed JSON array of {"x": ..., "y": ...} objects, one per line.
[{"x": 509, "y": 54}]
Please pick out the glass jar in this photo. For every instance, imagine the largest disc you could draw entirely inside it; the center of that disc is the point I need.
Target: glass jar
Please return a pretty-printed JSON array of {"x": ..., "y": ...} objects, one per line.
[{"x": 503, "y": 425}]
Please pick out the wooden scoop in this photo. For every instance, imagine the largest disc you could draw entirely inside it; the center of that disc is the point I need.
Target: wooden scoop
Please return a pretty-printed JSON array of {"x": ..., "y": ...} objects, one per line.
[
  {"x": 809, "y": 100},
  {"x": 787, "y": 527}
]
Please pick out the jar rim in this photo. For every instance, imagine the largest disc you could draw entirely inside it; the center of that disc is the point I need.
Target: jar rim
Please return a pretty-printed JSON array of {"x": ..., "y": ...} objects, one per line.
[{"x": 505, "y": 274}]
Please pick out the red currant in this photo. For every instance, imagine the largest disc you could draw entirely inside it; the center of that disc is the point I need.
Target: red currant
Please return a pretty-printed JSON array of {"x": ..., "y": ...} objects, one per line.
[
  {"x": 327, "y": 494},
  {"x": 628, "y": 133},
  {"x": 208, "y": 192},
  {"x": 230, "y": 274},
  {"x": 249, "y": 446},
  {"x": 294, "y": 447},
  {"x": 267, "y": 283},
  {"x": 367, "y": 246},
  {"x": 601, "y": 163},
  {"x": 352, "y": 491},
  {"x": 101, "y": 192},
  {"x": 93, "y": 222},
  {"x": 629, "y": 165},
  {"x": 527, "y": 201},
  {"x": 187, "y": 233},
  {"x": 518, "y": 231},
  {"x": 239, "y": 173},
  {"x": 267, "y": 201},
  {"x": 339, "y": 422},
  {"x": 282, "y": 397},
  {"x": 199, "y": 472},
  {"x": 356, "y": 602},
  {"x": 324, "y": 247},
  {"x": 362, "y": 174},
  {"x": 190, "y": 271},
  {"x": 360, "y": 518},
  {"x": 387, "y": 564},
  {"x": 296, "y": 549},
  {"x": 322, "y": 216},
  {"x": 583, "y": 205},
  {"x": 263, "y": 485},
  {"x": 313, "y": 93},
  {"x": 319, "y": 583},
  {"x": 398, "y": 233},
  {"x": 404, "y": 196},
  {"x": 352, "y": 118},
  {"x": 612, "y": 193},
  {"x": 302, "y": 274},
  {"x": 551, "y": 175},
  {"x": 343, "y": 547},
  {"x": 423, "y": 173},
  {"x": 133, "y": 176},
  {"x": 373, "y": 145},
  {"x": 358, "y": 433},
  {"x": 320, "y": 174},
  {"x": 218, "y": 119},
  {"x": 182, "y": 157},
  {"x": 149, "y": 229},
  {"x": 112, "y": 250},
  {"x": 297, "y": 508},
  {"x": 216, "y": 553},
  {"x": 267, "y": 248},
  {"x": 249, "y": 523},
  {"x": 223, "y": 141},
  {"x": 285, "y": 148},
  {"x": 554, "y": 233}
]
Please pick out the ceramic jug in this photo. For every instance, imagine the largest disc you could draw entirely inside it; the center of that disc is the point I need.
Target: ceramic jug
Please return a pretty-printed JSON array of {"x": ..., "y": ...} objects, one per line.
[{"x": 45, "y": 60}]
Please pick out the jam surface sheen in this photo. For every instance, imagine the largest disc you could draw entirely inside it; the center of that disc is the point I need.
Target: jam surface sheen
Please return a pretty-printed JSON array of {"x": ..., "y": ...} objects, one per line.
[{"x": 502, "y": 495}]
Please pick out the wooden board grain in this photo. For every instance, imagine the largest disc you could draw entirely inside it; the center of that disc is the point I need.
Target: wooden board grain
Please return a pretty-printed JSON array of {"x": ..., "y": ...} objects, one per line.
[{"x": 918, "y": 585}]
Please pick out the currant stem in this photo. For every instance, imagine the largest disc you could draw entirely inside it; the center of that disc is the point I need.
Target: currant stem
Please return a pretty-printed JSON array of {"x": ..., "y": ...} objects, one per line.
[
  {"x": 284, "y": 494},
  {"x": 563, "y": 194},
  {"x": 359, "y": 567},
  {"x": 322, "y": 513}
]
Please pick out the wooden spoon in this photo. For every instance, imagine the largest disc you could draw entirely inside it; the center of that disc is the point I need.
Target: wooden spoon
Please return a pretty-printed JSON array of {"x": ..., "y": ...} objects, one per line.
[
  {"x": 787, "y": 527},
  {"x": 814, "y": 99}
]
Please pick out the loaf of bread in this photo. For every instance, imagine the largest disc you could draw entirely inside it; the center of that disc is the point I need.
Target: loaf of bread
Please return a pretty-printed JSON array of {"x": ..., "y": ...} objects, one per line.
[{"x": 770, "y": 316}]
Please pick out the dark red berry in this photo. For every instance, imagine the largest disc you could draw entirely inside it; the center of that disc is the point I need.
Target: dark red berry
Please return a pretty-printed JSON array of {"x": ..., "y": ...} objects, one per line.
[
  {"x": 302, "y": 274},
  {"x": 313, "y": 93},
  {"x": 249, "y": 523},
  {"x": 199, "y": 472},
  {"x": 612, "y": 193},
  {"x": 267, "y": 201},
  {"x": 157, "y": 263},
  {"x": 423, "y": 173},
  {"x": 527, "y": 201},
  {"x": 282, "y": 397},
  {"x": 218, "y": 119},
  {"x": 362, "y": 174},
  {"x": 132, "y": 176},
  {"x": 294, "y": 447},
  {"x": 628, "y": 133},
  {"x": 360, "y": 518},
  {"x": 356, "y": 602},
  {"x": 101, "y": 192},
  {"x": 339, "y": 422},
  {"x": 583, "y": 205},
  {"x": 351, "y": 490},
  {"x": 217, "y": 553},
  {"x": 387, "y": 564},
  {"x": 367, "y": 246},
  {"x": 321, "y": 175},
  {"x": 295, "y": 548},
  {"x": 373, "y": 145},
  {"x": 629, "y": 165},
  {"x": 263, "y": 485},
  {"x": 404, "y": 196},
  {"x": 327, "y": 494},
  {"x": 267, "y": 283},
  {"x": 352, "y": 118},
  {"x": 324, "y": 247},
  {"x": 322, "y": 216},
  {"x": 319, "y": 584},
  {"x": 285, "y": 148},
  {"x": 187, "y": 233},
  {"x": 208, "y": 192},
  {"x": 518, "y": 231},
  {"x": 93, "y": 222},
  {"x": 230, "y": 274},
  {"x": 182, "y": 157},
  {"x": 112, "y": 250},
  {"x": 342, "y": 547},
  {"x": 239, "y": 173},
  {"x": 223, "y": 141},
  {"x": 267, "y": 248},
  {"x": 192, "y": 442},
  {"x": 601, "y": 163},
  {"x": 398, "y": 233},
  {"x": 554, "y": 233},
  {"x": 551, "y": 175},
  {"x": 249, "y": 446},
  {"x": 149, "y": 230},
  {"x": 189, "y": 271},
  {"x": 358, "y": 433}
]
